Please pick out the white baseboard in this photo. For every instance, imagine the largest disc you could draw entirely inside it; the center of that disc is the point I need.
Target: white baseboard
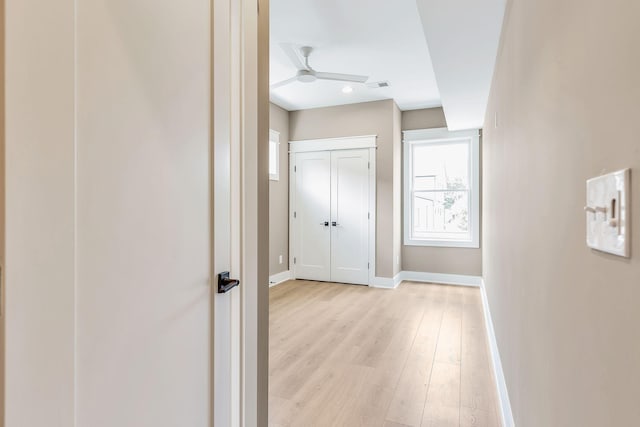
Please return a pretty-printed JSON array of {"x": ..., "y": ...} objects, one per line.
[
  {"x": 276, "y": 279},
  {"x": 387, "y": 282},
  {"x": 503, "y": 396},
  {"x": 444, "y": 279},
  {"x": 418, "y": 276}
]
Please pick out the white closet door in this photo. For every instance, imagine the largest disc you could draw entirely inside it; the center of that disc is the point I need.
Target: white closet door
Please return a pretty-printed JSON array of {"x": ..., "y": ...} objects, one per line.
[
  {"x": 313, "y": 216},
  {"x": 350, "y": 216}
]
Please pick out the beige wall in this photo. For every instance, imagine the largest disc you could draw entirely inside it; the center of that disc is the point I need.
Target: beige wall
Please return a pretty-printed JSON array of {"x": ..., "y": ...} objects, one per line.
[
  {"x": 2, "y": 211},
  {"x": 279, "y": 197},
  {"x": 566, "y": 95},
  {"x": 431, "y": 259},
  {"x": 371, "y": 118},
  {"x": 397, "y": 189},
  {"x": 40, "y": 213}
]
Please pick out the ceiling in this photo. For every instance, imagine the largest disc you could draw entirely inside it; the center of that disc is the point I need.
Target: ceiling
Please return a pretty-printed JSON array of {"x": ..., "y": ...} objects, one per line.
[
  {"x": 432, "y": 53},
  {"x": 381, "y": 39}
]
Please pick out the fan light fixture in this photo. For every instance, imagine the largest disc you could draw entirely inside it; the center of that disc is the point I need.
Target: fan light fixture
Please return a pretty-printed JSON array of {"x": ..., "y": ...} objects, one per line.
[{"x": 306, "y": 74}]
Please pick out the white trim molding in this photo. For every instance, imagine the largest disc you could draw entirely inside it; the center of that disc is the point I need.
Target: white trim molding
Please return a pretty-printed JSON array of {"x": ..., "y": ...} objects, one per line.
[
  {"x": 442, "y": 279},
  {"x": 279, "y": 278},
  {"x": 386, "y": 282},
  {"x": 330, "y": 144},
  {"x": 506, "y": 413}
]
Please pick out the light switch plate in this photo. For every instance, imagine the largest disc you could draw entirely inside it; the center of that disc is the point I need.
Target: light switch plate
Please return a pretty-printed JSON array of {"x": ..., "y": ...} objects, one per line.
[{"x": 607, "y": 211}]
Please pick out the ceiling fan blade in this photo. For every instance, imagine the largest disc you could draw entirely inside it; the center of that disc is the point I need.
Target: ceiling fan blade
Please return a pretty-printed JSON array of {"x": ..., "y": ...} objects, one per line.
[
  {"x": 342, "y": 77},
  {"x": 293, "y": 53},
  {"x": 284, "y": 82}
]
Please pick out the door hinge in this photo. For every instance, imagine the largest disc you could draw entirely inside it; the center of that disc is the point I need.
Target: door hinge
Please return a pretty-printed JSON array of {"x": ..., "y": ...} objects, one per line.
[
  {"x": 295, "y": 214},
  {"x": 368, "y": 165},
  {"x": 368, "y": 215},
  {"x": 295, "y": 169},
  {"x": 295, "y": 260},
  {"x": 368, "y": 266}
]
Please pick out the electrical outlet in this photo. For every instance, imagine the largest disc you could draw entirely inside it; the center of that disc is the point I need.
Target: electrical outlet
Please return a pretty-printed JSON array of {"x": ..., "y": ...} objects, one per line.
[{"x": 280, "y": 259}]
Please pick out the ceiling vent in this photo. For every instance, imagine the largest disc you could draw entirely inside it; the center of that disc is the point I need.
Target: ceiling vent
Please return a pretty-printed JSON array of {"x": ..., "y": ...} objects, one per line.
[{"x": 377, "y": 85}]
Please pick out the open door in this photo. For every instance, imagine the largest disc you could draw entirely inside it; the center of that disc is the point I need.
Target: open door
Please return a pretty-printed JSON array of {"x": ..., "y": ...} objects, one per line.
[{"x": 135, "y": 176}]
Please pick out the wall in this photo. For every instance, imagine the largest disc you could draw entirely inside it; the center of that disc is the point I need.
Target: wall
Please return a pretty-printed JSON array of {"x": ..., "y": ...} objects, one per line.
[
  {"x": 566, "y": 97},
  {"x": 466, "y": 261},
  {"x": 397, "y": 189},
  {"x": 2, "y": 212},
  {"x": 40, "y": 213},
  {"x": 371, "y": 118},
  {"x": 279, "y": 197}
]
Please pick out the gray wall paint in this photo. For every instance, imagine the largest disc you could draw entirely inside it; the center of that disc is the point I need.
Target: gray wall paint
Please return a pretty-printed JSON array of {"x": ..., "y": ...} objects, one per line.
[
  {"x": 431, "y": 259},
  {"x": 566, "y": 96},
  {"x": 279, "y": 197},
  {"x": 371, "y": 118}
]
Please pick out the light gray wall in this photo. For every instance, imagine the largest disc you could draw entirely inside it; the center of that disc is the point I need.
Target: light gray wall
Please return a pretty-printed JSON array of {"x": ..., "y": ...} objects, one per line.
[
  {"x": 431, "y": 259},
  {"x": 279, "y": 196},
  {"x": 371, "y": 118},
  {"x": 566, "y": 95}
]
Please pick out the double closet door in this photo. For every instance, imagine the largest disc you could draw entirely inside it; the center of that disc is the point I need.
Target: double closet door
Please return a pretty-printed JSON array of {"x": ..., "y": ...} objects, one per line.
[{"x": 331, "y": 215}]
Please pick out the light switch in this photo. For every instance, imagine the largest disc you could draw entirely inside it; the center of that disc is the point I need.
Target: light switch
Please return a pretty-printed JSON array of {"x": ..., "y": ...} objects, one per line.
[{"x": 607, "y": 213}]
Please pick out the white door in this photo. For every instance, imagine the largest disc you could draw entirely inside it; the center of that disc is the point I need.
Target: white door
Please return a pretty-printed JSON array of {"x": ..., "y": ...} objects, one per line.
[
  {"x": 350, "y": 216},
  {"x": 312, "y": 216},
  {"x": 127, "y": 166},
  {"x": 331, "y": 216}
]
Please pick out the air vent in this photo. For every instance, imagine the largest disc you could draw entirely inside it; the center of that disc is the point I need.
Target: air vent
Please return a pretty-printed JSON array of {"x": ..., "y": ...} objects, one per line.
[{"x": 378, "y": 85}]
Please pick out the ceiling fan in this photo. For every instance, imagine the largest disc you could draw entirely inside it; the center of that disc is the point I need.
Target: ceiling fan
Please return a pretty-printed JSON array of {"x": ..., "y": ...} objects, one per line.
[{"x": 306, "y": 74}]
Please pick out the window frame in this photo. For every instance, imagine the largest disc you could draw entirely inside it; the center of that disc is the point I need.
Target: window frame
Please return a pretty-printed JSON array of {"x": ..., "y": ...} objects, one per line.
[
  {"x": 274, "y": 136},
  {"x": 439, "y": 136}
]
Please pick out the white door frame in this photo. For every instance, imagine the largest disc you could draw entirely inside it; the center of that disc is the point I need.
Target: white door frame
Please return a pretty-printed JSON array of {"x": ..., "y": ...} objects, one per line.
[
  {"x": 239, "y": 159},
  {"x": 332, "y": 144}
]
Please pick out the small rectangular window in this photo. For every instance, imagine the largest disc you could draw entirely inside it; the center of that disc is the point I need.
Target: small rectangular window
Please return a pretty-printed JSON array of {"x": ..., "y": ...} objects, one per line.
[
  {"x": 441, "y": 188},
  {"x": 274, "y": 155}
]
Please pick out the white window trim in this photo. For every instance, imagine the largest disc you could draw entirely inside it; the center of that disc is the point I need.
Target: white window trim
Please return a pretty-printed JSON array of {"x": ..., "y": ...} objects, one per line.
[
  {"x": 274, "y": 136},
  {"x": 437, "y": 136}
]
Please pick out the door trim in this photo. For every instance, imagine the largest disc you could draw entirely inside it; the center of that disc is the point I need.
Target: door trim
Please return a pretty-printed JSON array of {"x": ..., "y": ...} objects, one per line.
[{"x": 333, "y": 144}]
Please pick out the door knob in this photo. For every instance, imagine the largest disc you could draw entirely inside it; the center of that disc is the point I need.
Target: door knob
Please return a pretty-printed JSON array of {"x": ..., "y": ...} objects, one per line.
[
  {"x": 326, "y": 223},
  {"x": 225, "y": 284},
  {"x": 335, "y": 224}
]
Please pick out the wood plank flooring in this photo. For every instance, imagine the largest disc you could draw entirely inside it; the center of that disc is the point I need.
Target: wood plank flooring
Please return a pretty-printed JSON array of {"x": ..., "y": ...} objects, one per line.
[{"x": 346, "y": 355}]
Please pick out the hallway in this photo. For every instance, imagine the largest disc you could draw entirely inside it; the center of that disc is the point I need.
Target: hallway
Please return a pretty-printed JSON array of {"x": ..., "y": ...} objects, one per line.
[{"x": 345, "y": 355}]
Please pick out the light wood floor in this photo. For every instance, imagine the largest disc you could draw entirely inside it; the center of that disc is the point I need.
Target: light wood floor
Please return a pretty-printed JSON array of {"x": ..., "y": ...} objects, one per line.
[{"x": 346, "y": 355}]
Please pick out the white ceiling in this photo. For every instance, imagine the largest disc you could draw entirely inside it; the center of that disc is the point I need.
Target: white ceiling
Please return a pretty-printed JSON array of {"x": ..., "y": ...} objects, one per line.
[
  {"x": 432, "y": 53},
  {"x": 381, "y": 39}
]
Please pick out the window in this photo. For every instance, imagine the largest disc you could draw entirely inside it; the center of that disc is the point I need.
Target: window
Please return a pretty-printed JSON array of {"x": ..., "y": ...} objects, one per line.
[
  {"x": 274, "y": 155},
  {"x": 441, "y": 188}
]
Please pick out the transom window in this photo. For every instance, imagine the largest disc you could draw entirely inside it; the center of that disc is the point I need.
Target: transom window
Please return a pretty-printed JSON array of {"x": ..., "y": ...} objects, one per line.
[{"x": 441, "y": 203}]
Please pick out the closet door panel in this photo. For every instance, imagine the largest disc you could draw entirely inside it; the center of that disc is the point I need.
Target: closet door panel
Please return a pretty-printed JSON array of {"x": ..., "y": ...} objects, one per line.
[
  {"x": 350, "y": 216},
  {"x": 313, "y": 210}
]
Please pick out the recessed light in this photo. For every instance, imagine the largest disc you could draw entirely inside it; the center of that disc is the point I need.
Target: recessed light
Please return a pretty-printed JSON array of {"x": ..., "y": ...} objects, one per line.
[{"x": 347, "y": 89}]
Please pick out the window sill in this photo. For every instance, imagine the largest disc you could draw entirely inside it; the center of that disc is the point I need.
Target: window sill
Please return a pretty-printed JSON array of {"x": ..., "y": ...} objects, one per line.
[{"x": 443, "y": 243}]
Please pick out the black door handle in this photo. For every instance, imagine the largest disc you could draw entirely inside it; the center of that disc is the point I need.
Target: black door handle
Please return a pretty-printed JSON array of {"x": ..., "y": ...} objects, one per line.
[
  {"x": 225, "y": 284},
  {"x": 335, "y": 223}
]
